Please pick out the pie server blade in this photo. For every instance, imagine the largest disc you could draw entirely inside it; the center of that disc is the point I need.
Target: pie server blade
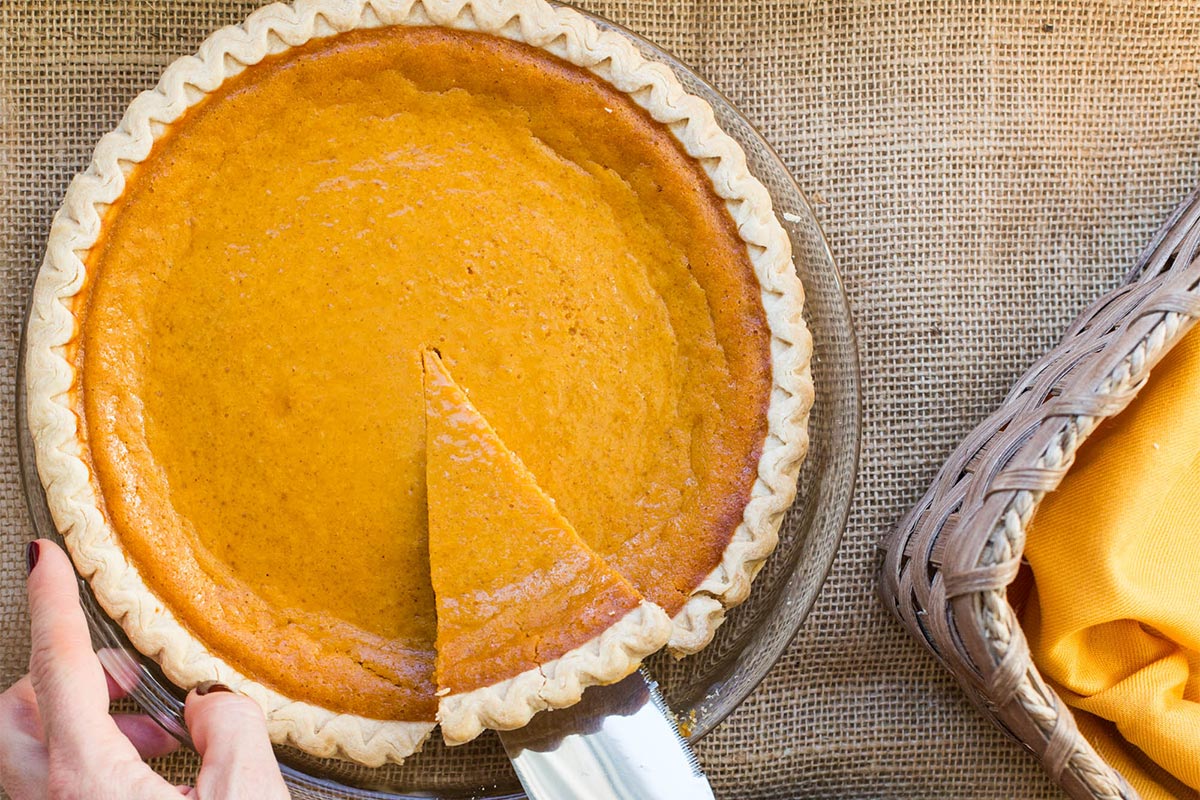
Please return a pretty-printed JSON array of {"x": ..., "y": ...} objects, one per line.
[{"x": 619, "y": 742}]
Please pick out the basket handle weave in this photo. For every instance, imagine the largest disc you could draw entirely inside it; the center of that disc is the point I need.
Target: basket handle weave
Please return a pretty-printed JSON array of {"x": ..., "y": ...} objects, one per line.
[{"x": 947, "y": 566}]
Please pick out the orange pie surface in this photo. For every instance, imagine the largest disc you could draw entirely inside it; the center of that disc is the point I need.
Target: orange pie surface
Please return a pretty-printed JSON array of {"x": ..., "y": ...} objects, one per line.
[
  {"x": 254, "y": 317},
  {"x": 516, "y": 587}
]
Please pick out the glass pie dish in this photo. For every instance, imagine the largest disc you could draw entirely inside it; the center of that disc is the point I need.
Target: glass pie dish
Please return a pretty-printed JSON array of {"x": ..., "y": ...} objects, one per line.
[{"x": 702, "y": 689}]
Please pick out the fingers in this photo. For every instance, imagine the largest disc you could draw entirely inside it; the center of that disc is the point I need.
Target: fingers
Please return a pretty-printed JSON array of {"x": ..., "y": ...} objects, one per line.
[
  {"x": 23, "y": 767},
  {"x": 146, "y": 735},
  {"x": 72, "y": 691},
  {"x": 72, "y": 694},
  {"x": 81, "y": 748},
  {"x": 231, "y": 736},
  {"x": 18, "y": 709}
]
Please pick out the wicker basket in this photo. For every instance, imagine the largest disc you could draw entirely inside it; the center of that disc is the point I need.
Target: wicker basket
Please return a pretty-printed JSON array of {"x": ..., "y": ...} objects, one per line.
[{"x": 949, "y": 563}]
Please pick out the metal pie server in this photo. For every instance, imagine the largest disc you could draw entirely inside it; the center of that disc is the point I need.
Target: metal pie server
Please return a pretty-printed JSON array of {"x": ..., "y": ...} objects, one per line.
[{"x": 620, "y": 742}]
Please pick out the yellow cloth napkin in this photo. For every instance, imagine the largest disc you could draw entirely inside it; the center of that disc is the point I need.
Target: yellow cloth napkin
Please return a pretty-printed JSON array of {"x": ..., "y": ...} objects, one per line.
[{"x": 1113, "y": 619}]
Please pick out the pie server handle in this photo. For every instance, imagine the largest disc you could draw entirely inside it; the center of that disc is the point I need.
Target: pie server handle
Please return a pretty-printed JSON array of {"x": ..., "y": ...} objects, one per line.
[{"x": 620, "y": 742}]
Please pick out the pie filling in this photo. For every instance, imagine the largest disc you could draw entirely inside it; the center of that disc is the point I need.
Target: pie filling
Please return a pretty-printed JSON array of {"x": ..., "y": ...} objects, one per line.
[{"x": 257, "y": 306}]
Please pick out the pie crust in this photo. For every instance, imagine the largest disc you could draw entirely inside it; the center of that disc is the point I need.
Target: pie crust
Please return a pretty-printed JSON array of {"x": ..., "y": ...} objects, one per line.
[
  {"x": 511, "y": 703},
  {"x": 51, "y": 379}
]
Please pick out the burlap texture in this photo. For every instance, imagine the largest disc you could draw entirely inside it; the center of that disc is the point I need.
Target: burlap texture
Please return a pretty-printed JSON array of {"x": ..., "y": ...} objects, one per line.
[{"x": 982, "y": 170}]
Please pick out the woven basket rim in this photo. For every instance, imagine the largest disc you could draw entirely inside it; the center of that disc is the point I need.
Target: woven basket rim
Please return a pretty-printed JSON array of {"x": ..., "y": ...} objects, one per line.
[{"x": 947, "y": 565}]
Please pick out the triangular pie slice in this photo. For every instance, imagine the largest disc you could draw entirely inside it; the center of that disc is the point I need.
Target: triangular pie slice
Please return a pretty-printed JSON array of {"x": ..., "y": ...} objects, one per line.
[{"x": 527, "y": 614}]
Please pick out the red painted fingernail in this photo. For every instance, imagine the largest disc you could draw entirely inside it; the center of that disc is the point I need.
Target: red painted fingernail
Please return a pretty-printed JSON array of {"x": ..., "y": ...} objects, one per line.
[
  {"x": 32, "y": 551},
  {"x": 208, "y": 687}
]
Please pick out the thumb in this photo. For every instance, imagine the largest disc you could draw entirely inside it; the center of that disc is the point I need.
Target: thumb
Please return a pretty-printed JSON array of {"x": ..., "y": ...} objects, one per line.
[{"x": 231, "y": 736}]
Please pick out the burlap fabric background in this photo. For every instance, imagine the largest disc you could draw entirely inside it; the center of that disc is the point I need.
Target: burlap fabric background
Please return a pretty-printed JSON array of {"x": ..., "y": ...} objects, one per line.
[{"x": 982, "y": 170}]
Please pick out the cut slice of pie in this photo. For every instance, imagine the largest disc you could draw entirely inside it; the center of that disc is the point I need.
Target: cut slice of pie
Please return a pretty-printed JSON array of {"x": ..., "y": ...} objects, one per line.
[{"x": 527, "y": 614}]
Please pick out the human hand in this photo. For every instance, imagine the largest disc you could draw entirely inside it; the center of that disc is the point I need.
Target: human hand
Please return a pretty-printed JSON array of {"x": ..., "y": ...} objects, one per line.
[{"x": 58, "y": 741}]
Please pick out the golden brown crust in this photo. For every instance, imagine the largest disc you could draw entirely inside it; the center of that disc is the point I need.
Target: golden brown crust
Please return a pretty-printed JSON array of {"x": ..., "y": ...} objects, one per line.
[{"x": 119, "y": 583}]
